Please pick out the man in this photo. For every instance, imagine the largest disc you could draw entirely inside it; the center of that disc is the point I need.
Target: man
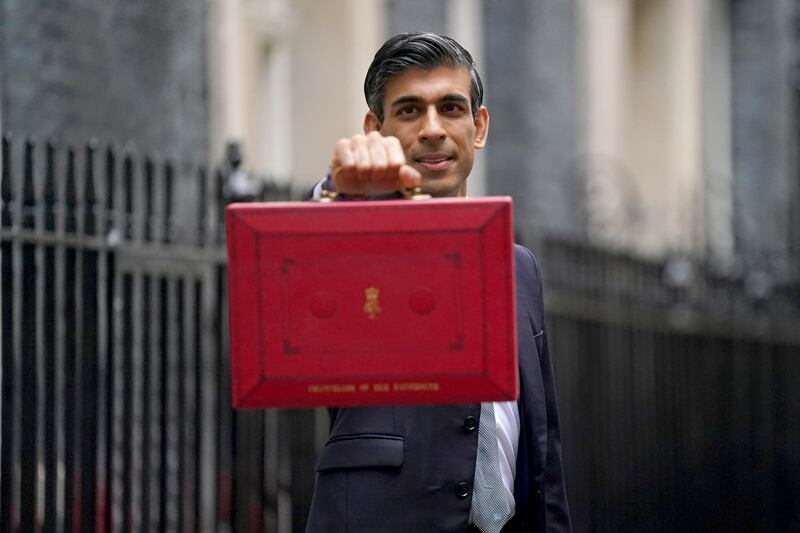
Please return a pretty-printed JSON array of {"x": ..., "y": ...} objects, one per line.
[{"x": 425, "y": 468}]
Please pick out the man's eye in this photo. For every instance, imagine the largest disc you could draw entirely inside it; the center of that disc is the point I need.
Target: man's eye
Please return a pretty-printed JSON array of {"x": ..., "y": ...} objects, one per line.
[
  {"x": 452, "y": 108},
  {"x": 408, "y": 110}
]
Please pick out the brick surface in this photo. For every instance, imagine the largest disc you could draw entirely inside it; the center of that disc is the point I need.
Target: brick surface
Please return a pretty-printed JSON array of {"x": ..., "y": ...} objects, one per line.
[
  {"x": 530, "y": 64},
  {"x": 416, "y": 15},
  {"x": 765, "y": 164},
  {"x": 117, "y": 70}
]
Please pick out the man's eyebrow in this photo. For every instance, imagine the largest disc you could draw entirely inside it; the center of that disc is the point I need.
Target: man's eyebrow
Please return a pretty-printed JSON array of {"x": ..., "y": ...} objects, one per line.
[
  {"x": 406, "y": 100},
  {"x": 454, "y": 97},
  {"x": 410, "y": 99}
]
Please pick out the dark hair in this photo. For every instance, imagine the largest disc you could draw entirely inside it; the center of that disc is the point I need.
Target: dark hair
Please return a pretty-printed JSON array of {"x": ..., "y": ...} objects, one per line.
[{"x": 417, "y": 50}]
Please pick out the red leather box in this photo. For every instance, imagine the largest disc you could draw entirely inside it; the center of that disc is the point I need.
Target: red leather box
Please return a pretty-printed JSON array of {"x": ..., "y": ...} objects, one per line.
[{"x": 370, "y": 303}]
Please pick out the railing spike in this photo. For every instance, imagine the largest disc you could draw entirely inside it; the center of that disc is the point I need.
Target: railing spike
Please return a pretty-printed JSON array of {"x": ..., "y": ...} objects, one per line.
[
  {"x": 70, "y": 194},
  {"x": 167, "y": 213},
  {"x": 89, "y": 191},
  {"x": 6, "y": 178},
  {"x": 128, "y": 185},
  {"x": 202, "y": 206},
  {"x": 110, "y": 178},
  {"x": 50, "y": 186},
  {"x": 29, "y": 186},
  {"x": 149, "y": 178},
  {"x": 219, "y": 206}
]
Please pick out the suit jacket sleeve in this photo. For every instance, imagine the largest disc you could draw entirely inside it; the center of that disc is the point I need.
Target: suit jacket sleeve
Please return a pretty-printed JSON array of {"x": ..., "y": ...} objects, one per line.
[{"x": 557, "y": 516}]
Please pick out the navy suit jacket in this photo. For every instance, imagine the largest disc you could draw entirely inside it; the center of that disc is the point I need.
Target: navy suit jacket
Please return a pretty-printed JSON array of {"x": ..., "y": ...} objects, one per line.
[{"x": 410, "y": 468}]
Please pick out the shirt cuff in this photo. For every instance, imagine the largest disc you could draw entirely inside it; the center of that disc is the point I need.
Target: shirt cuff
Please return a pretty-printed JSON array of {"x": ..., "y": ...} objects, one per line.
[{"x": 316, "y": 192}]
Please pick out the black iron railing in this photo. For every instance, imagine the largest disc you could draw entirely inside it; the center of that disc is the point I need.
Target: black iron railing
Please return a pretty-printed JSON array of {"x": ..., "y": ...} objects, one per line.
[
  {"x": 115, "y": 395},
  {"x": 677, "y": 384}
]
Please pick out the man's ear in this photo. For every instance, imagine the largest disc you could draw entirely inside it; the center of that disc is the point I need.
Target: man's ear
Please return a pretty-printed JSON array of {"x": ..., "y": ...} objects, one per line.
[
  {"x": 481, "y": 127},
  {"x": 371, "y": 123}
]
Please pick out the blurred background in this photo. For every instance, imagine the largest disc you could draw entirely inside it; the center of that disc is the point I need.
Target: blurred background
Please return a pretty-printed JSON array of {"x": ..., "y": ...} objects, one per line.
[{"x": 650, "y": 147}]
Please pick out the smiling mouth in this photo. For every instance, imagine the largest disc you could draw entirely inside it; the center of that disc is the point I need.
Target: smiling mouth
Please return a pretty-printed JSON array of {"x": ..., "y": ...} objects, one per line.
[{"x": 434, "y": 162}]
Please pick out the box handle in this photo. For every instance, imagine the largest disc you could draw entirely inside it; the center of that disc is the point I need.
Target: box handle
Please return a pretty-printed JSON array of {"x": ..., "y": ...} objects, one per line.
[
  {"x": 328, "y": 195},
  {"x": 414, "y": 194}
]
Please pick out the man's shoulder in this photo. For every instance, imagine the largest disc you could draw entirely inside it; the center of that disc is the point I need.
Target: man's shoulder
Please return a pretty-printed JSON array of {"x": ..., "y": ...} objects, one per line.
[
  {"x": 529, "y": 285},
  {"x": 527, "y": 267}
]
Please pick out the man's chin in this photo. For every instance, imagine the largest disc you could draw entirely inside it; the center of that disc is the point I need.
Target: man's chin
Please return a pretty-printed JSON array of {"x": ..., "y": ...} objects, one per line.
[{"x": 442, "y": 187}]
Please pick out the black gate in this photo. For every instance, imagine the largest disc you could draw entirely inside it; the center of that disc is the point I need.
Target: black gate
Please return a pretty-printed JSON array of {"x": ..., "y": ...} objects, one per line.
[
  {"x": 678, "y": 392},
  {"x": 115, "y": 382}
]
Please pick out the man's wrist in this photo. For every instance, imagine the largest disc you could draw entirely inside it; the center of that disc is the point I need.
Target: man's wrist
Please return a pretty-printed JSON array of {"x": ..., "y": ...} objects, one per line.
[{"x": 328, "y": 184}]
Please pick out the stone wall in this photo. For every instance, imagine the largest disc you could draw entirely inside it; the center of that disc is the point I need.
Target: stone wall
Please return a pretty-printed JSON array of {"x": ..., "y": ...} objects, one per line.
[
  {"x": 116, "y": 70},
  {"x": 531, "y": 93},
  {"x": 765, "y": 132},
  {"x": 416, "y": 15}
]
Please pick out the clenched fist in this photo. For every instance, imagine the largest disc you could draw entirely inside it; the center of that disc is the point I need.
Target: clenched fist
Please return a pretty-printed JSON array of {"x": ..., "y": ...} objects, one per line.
[{"x": 372, "y": 164}]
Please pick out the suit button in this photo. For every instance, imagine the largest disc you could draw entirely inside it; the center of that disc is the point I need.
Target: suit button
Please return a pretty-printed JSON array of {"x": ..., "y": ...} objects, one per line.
[
  {"x": 470, "y": 423},
  {"x": 463, "y": 489}
]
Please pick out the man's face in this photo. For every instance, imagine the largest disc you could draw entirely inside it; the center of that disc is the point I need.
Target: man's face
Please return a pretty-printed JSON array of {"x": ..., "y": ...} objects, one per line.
[{"x": 429, "y": 112}]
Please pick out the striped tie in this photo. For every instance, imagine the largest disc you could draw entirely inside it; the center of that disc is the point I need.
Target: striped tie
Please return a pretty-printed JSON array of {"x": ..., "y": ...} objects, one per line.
[{"x": 490, "y": 508}]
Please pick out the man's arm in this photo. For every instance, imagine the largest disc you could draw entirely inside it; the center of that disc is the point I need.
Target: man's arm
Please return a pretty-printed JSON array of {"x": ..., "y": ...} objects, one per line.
[{"x": 557, "y": 514}]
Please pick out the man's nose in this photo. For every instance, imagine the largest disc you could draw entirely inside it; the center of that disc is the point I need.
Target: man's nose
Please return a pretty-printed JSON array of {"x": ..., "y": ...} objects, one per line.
[{"x": 432, "y": 129}]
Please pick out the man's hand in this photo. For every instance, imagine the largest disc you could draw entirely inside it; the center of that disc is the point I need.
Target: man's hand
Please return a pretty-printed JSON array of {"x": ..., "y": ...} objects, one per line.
[{"x": 372, "y": 164}]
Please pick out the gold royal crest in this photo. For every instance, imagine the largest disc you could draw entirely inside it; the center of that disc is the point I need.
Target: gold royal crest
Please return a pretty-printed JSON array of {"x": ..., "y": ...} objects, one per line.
[{"x": 372, "y": 305}]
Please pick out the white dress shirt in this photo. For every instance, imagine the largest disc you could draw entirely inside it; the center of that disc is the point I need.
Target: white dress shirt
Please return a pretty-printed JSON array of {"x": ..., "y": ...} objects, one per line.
[{"x": 506, "y": 415}]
